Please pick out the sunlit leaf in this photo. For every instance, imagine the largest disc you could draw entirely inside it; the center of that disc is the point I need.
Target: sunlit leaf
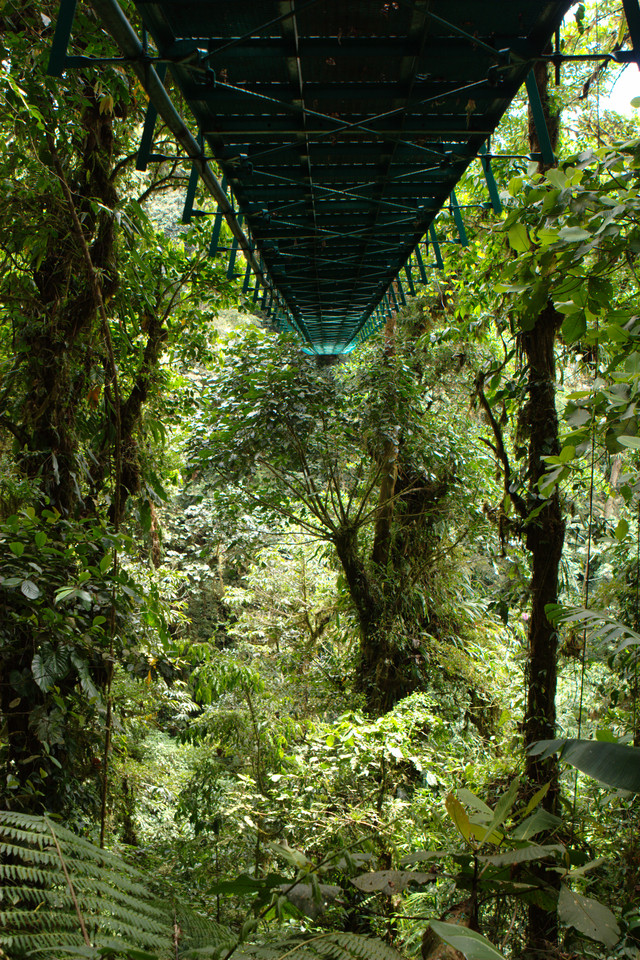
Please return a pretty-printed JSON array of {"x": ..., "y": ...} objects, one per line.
[
  {"x": 519, "y": 238},
  {"x": 391, "y": 881},
  {"x": 30, "y": 590},
  {"x": 523, "y": 854},
  {"x": 459, "y": 815}
]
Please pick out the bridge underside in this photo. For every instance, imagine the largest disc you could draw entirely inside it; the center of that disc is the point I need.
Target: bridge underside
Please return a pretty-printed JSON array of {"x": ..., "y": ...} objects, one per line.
[{"x": 340, "y": 128}]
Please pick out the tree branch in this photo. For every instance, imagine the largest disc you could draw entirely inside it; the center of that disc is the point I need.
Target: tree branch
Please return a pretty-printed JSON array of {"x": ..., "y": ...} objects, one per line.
[{"x": 500, "y": 450}]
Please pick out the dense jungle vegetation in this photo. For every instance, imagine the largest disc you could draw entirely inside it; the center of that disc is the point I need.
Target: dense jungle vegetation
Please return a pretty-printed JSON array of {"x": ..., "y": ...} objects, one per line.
[{"x": 315, "y": 661}]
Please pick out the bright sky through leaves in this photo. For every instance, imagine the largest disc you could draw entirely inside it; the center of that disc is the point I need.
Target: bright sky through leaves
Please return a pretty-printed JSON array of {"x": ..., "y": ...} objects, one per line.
[{"x": 625, "y": 86}]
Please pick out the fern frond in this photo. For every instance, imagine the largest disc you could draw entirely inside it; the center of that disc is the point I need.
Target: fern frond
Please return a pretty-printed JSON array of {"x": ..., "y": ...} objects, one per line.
[
  {"x": 12, "y": 871},
  {"x": 32, "y": 942},
  {"x": 44, "y": 857},
  {"x": 198, "y": 931},
  {"x": 39, "y": 915},
  {"x": 25, "y": 919},
  {"x": 41, "y": 908}
]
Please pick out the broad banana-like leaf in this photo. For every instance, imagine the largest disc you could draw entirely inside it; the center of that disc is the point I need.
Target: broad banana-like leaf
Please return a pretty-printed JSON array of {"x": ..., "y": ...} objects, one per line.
[
  {"x": 524, "y": 854},
  {"x": 611, "y": 763},
  {"x": 459, "y": 816},
  {"x": 539, "y": 822}
]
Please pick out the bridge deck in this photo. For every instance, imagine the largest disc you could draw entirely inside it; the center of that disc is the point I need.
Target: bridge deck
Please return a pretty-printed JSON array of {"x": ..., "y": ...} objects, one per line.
[{"x": 341, "y": 127}]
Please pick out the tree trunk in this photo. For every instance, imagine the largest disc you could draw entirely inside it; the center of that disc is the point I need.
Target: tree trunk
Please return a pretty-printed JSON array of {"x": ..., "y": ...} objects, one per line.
[
  {"x": 368, "y": 608},
  {"x": 544, "y": 538},
  {"x": 389, "y": 473},
  {"x": 59, "y": 337}
]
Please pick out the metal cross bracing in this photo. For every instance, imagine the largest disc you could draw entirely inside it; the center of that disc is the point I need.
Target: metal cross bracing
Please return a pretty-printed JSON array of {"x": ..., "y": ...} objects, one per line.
[{"x": 340, "y": 129}]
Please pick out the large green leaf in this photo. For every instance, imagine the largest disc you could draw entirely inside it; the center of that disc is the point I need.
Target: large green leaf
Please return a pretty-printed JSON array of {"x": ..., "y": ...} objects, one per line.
[
  {"x": 245, "y": 884},
  {"x": 598, "y": 624},
  {"x": 30, "y": 590},
  {"x": 50, "y": 666},
  {"x": 524, "y": 854},
  {"x": 539, "y": 822},
  {"x": 574, "y": 326},
  {"x": 503, "y": 808},
  {"x": 611, "y": 763},
  {"x": 468, "y": 942},
  {"x": 519, "y": 238},
  {"x": 588, "y": 916}
]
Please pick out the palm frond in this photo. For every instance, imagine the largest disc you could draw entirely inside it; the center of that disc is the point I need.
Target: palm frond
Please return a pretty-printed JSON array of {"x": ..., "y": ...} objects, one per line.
[{"x": 598, "y": 625}]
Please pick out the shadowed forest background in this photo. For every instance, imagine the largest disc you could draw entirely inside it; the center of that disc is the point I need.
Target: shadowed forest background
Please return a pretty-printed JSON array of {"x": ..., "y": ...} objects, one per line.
[{"x": 327, "y": 660}]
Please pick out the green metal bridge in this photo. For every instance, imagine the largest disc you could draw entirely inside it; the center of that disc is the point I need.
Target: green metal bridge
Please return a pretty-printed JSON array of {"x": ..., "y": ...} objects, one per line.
[{"x": 339, "y": 128}]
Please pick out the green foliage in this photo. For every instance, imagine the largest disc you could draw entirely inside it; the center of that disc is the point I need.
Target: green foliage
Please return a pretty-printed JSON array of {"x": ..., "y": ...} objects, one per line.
[
  {"x": 599, "y": 626},
  {"x": 239, "y": 753},
  {"x": 332, "y": 946},
  {"x": 68, "y": 611},
  {"x": 64, "y": 897},
  {"x": 506, "y": 860},
  {"x": 581, "y": 223}
]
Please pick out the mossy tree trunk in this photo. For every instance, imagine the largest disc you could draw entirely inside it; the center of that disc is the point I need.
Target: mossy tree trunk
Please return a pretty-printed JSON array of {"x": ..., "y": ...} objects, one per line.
[{"x": 544, "y": 539}]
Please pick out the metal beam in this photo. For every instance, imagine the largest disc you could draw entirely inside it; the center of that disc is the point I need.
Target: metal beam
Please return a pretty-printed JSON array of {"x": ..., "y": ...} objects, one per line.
[
  {"x": 126, "y": 38},
  {"x": 146, "y": 140},
  {"x": 492, "y": 186},
  {"x": 632, "y": 13},
  {"x": 539, "y": 120},
  {"x": 457, "y": 216},
  {"x": 64, "y": 23},
  {"x": 436, "y": 248}
]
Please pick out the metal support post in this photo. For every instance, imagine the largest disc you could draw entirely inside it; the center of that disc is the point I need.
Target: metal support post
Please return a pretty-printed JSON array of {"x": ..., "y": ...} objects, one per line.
[
  {"x": 492, "y": 186},
  {"x": 64, "y": 23},
  {"x": 146, "y": 140},
  {"x": 457, "y": 216},
  {"x": 217, "y": 226},
  {"x": 436, "y": 248},
  {"x": 407, "y": 270},
  {"x": 191, "y": 191},
  {"x": 540, "y": 123},
  {"x": 420, "y": 261}
]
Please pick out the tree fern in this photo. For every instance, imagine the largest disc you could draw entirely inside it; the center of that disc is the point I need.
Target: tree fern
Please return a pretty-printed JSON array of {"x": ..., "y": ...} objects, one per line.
[
  {"x": 63, "y": 897},
  {"x": 197, "y": 933}
]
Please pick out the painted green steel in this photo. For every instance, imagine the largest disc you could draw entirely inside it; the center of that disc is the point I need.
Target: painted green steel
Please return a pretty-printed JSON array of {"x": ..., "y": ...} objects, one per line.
[{"x": 341, "y": 128}]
